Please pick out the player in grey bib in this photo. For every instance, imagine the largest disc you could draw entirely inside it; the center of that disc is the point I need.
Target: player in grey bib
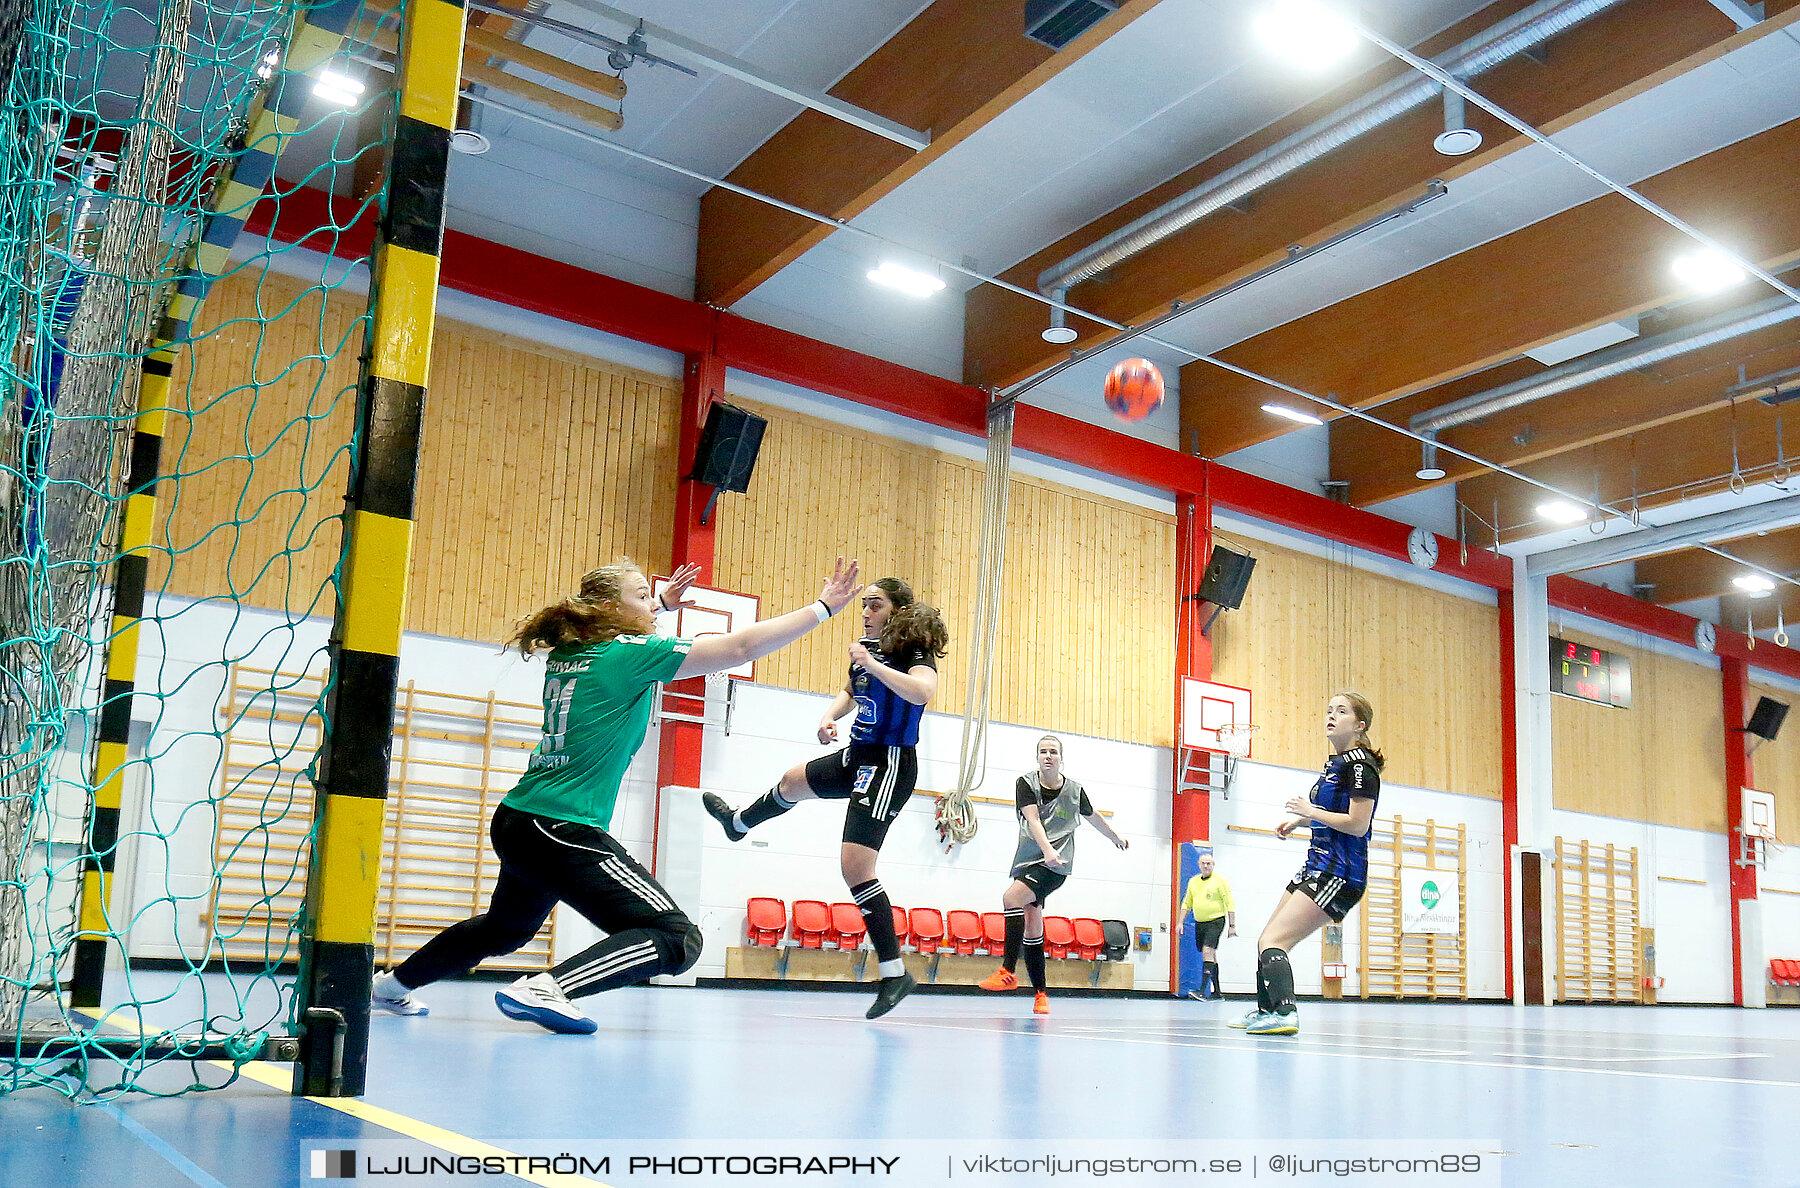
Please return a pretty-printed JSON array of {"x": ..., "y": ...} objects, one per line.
[
  {"x": 1059, "y": 813},
  {"x": 1051, "y": 806}
]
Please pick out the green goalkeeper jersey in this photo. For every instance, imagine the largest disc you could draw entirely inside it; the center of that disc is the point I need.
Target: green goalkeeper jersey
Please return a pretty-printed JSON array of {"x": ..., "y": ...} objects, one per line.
[{"x": 597, "y": 700}]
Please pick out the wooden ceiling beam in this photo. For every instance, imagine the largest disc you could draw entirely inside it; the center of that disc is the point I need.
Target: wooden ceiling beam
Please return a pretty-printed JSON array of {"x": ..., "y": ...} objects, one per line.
[
  {"x": 1380, "y": 464},
  {"x": 1599, "y": 262},
  {"x": 1664, "y": 466},
  {"x": 953, "y": 69},
  {"x": 1687, "y": 574},
  {"x": 482, "y": 46},
  {"x": 1589, "y": 69}
]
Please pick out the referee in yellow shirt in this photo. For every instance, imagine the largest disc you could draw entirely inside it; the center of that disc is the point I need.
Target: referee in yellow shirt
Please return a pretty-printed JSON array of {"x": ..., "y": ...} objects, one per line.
[{"x": 1208, "y": 901}]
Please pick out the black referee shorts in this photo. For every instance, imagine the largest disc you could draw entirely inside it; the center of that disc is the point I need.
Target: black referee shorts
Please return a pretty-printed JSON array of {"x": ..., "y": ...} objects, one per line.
[{"x": 876, "y": 780}]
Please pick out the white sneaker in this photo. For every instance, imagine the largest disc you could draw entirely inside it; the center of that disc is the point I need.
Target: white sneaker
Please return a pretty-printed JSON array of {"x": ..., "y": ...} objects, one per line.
[
  {"x": 1244, "y": 1023},
  {"x": 538, "y": 999},
  {"x": 389, "y": 995}
]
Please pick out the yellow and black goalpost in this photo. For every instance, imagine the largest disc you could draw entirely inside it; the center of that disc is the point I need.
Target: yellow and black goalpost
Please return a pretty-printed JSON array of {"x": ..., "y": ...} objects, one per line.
[{"x": 337, "y": 951}]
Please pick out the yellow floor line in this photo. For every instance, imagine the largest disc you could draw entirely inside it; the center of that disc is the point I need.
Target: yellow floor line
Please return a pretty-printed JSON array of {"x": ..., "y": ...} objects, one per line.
[{"x": 281, "y": 1077}]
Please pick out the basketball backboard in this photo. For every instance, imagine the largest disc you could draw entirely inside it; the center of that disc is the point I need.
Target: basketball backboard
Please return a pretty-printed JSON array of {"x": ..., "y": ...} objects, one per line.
[
  {"x": 1759, "y": 814},
  {"x": 1206, "y": 707},
  {"x": 716, "y": 612}
]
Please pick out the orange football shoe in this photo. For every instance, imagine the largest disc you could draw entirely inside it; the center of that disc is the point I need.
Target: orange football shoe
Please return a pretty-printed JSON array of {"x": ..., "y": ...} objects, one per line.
[{"x": 1001, "y": 979}]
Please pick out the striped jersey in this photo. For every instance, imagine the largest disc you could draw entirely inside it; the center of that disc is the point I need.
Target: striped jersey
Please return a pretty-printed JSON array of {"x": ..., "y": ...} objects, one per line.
[
  {"x": 597, "y": 700},
  {"x": 883, "y": 717},
  {"x": 1351, "y": 775}
]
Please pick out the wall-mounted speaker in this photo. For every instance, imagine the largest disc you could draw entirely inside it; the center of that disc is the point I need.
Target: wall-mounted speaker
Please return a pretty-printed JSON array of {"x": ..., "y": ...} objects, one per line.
[
  {"x": 1227, "y": 577},
  {"x": 728, "y": 446},
  {"x": 1766, "y": 718}
]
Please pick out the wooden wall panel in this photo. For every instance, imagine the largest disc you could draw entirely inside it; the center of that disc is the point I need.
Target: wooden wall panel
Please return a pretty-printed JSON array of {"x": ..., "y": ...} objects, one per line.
[
  {"x": 1427, "y": 661},
  {"x": 536, "y": 465},
  {"x": 1775, "y": 766},
  {"x": 1086, "y": 640},
  {"x": 1659, "y": 761}
]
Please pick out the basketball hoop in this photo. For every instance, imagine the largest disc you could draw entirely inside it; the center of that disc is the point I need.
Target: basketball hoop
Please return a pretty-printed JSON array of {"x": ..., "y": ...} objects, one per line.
[{"x": 1235, "y": 738}]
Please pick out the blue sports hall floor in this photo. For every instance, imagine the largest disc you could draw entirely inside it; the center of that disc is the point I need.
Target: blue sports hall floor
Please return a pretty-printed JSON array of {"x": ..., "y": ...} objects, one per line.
[{"x": 1549, "y": 1096}]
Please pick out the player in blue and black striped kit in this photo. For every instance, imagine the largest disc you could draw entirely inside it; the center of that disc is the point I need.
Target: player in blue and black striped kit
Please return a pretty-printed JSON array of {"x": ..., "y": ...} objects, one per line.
[
  {"x": 1331, "y": 881},
  {"x": 893, "y": 675}
]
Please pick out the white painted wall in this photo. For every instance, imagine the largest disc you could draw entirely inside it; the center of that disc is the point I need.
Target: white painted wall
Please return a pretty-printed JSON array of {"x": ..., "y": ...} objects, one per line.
[
  {"x": 795, "y": 857},
  {"x": 1259, "y": 868}
]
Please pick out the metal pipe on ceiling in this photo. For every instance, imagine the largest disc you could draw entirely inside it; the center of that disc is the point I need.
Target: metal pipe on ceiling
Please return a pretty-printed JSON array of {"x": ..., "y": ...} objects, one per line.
[
  {"x": 1524, "y": 30},
  {"x": 1733, "y": 323}
]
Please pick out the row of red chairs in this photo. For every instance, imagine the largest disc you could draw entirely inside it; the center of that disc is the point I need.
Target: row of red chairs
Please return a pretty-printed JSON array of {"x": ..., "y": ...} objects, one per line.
[
  {"x": 1783, "y": 972},
  {"x": 819, "y": 925}
]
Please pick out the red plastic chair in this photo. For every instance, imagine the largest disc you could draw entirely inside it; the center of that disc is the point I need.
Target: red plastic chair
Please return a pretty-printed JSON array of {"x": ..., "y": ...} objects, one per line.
[
  {"x": 902, "y": 930},
  {"x": 927, "y": 927},
  {"x": 765, "y": 920},
  {"x": 1090, "y": 939},
  {"x": 847, "y": 926},
  {"x": 812, "y": 920},
  {"x": 965, "y": 930},
  {"x": 993, "y": 933},
  {"x": 1059, "y": 934}
]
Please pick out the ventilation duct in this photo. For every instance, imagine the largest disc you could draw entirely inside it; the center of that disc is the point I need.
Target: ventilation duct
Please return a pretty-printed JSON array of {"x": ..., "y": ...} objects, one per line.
[{"x": 1524, "y": 30}]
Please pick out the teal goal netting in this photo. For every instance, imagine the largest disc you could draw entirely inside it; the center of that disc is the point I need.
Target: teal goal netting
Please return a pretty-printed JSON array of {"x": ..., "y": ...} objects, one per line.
[{"x": 177, "y": 395}]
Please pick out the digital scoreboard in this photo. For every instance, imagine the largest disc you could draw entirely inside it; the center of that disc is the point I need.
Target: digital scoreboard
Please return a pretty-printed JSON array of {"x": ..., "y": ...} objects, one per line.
[{"x": 1589, "y": 674}]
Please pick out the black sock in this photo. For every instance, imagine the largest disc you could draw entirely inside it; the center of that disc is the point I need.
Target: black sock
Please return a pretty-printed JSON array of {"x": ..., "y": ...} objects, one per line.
[
  {"x": 767, "y": 807},
  {"x": 878, "y": 914},
  {"x": 1015, "y": 936},
  {"x": 1274, "y": 972},
  {"x": 1209, "y": 978},
  {"x": 1034, "y": 960}
]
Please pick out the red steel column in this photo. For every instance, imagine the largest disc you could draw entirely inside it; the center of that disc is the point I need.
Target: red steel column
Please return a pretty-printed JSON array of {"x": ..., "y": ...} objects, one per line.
[
  {"x": 1191, "y": 815},
  {"x": 1509, "y": 782},
  {"x": 1733, "y": 685},
  {"x": 679, "y": 752}
]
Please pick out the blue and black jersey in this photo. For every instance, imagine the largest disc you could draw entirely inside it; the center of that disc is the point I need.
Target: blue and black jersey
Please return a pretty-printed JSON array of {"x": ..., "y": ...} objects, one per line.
[
  {"x": 1351, "y": 775},
  {"x": 883, "y": 717}
]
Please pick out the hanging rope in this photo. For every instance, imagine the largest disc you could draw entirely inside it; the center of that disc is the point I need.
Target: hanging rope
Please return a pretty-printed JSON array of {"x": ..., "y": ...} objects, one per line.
[{"x": 955, "y": 812}]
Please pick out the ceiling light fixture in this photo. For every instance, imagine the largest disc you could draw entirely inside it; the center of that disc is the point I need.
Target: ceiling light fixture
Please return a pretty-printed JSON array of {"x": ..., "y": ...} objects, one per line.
[
  {"x": 1562, "y": 512},
  {"x": 337, "y": 88},
  {"x": 1292, "y": 414},
  {"x": 1708, "y": 271},
  {"x": 1754, "y": 584},
  {"x": 1457, "y": 139},
  {"x": 1306, "y": 33},
  {"x": 469, "y": 141},
  {"x": 1058, "y": 332},
  {"x": 1429, "y": 470},
  {"x": 907, "y": 280}
]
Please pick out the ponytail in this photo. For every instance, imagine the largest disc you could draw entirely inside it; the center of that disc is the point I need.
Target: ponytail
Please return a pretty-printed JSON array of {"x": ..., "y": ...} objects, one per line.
[
  {"x": 916, "y": 625},
  {"x": 1365, "y": 713},
  {"x": 592, "y": 616}
]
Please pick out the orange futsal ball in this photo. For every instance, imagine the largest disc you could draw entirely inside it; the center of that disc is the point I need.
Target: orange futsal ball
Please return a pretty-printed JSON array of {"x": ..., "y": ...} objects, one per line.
[{"x": 1134, "y": 389}]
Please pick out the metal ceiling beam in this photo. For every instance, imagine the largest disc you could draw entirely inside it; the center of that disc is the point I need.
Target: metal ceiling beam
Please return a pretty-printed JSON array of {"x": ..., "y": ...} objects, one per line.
[
  {"x": 677, "y": 46},
  {"x": 1648, "y": 542}
]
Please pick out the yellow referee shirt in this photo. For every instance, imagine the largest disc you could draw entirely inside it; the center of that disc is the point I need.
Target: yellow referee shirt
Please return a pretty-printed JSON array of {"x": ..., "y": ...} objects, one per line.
[{"x": 1208, "y": 898}]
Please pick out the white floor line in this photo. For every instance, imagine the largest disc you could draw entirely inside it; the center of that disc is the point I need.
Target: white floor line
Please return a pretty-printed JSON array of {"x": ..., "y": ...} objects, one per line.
[{"x": 1281, "y": 1044}]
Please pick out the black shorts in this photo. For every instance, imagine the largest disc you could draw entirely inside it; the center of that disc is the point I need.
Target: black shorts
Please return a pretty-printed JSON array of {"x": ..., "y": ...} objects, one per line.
[
  {"x": 1208, "y": 932},
  {"x": 1041, "y": 879},
  {"x": 876, "y": 780},
  {"x": 1332, "y": 893}
]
